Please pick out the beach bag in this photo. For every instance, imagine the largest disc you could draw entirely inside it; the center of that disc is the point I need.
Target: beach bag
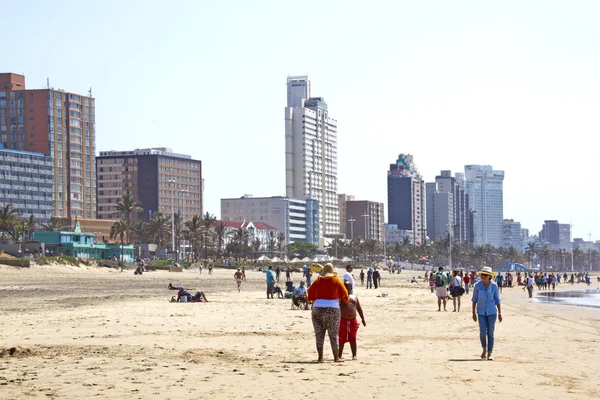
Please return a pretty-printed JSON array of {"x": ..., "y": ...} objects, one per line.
[
  {"x": 439, "y": 280},
  {"x": 457, "y": 291}
]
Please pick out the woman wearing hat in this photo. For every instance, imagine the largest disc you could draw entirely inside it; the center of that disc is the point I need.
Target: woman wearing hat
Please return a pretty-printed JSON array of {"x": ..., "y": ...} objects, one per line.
[
  {"x": 325, "y": 293},
  {"x": 486, "y": 308}
]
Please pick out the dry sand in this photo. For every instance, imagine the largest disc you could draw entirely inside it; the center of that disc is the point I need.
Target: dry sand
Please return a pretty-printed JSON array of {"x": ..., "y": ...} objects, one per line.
[{"x": 98, "y": 333}]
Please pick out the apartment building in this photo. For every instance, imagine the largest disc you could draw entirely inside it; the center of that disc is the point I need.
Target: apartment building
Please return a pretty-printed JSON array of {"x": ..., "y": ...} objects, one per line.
[
  {"x": 61, "y": 125},
  {"x": 161, "y": 179}
]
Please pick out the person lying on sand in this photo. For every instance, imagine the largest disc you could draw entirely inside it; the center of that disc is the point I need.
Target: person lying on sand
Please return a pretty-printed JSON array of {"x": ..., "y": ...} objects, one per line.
[{"x": 199, "y": 297}]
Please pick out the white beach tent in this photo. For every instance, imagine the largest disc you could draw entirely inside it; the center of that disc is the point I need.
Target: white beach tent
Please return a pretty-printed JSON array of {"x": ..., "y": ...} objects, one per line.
[
  {"x": 263, "y": 258},
  {"x": 296, "y": 260},
  {"x": 346, "y": 259},
  {"x": 333, "y": 258},
  {"x": 306, "y": 259},
  {"x": 275, "y": 259}
]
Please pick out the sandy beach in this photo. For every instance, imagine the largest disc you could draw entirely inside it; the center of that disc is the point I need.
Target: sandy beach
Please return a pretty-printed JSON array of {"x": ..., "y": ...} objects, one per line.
[{"x": 86, "y": 332}]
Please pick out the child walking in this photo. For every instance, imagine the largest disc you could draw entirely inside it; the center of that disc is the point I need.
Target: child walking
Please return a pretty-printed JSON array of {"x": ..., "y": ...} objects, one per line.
[{"x": 348, "y": 323}]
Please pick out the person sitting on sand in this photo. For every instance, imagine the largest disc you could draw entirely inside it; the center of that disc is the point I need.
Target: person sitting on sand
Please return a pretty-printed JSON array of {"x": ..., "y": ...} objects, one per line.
[
  {"x": 277, "y": 289},
  {"x": 348, "y": 323}
]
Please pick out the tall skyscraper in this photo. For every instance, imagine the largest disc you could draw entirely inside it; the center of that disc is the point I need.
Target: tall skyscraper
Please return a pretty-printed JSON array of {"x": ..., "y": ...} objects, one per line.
[
  {"x": 406, "y": 198},
  {"x": 557, "y": 235},
  {"x": 447, "y": 208},
  {"x": 485, "y": 190},
  {"x": 311, "y": 152},
  {"x": 512, "y": 234},
  {"x": 162, "y": 180},
  {"x": 59, "y": 124}
]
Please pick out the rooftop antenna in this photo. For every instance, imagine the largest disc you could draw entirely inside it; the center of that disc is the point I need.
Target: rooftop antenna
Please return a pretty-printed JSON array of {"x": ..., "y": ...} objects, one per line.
[
  {"x": 590, "y": 236},
  {"x": 90, "y": 92},
  {"x": 48, "y": 82}
]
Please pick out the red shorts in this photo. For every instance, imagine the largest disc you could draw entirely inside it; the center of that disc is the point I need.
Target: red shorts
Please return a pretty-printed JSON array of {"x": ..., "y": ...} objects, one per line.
[{"x": 348, "y": 329}]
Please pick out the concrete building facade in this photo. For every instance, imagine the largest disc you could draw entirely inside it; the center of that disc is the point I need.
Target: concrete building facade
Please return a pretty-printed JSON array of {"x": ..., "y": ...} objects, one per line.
[
  {"x": 556, "y": 234},
  {"x": 311, "y": 153},
  {"x": 512, "y": 234},
  {"x": 61, "y": 125},
  {"x": 162, "y": 180},
  {"x": 406, "y": 198},
  {"x": 26, "y": 182},
  {"x": 368, "y": 217},
  {"x": 297, "y": 218},
  {"x": 484, "y": 186},
  {"x": 342, "y": 200}
]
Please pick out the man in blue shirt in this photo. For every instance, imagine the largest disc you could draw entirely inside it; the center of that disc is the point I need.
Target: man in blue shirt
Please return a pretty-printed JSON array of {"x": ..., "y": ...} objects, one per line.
[
  {"x": 270, "y": 282},
  {"x": 301, "y": 294},
  {"x": 486, "y": 299}
]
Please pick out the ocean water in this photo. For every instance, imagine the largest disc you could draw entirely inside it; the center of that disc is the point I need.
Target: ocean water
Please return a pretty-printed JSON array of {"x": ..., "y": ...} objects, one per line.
[{"x": 581, "y": 298}]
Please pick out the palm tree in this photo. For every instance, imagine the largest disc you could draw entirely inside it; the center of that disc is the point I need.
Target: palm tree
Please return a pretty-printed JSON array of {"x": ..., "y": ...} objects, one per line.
[
  {"x": 53, "y": 225},
  {"x": 17, "y": 231},
  {"x": 545, "y": 254},
  {"x": 220, "y": 234},
  {"x": 372, "y": 247},
  {"x": 159, "y": 228},
  {"x": 280, "y": 242},
  {"x": 30, "y": 225},
  {"x": 207, "y": 222},
  {"x": 256, "y": 244},
  {"x": 239, "y": 241},
  {"x": 120, "y": 229},
  {"x": 531, "y": 252},
  {"x": 272, "y": 243},
  {"x": 194, "y": 232},
  {"x": 139, "y": 228},
  {"x": 8, "y": 218},
  {"x": 128, "y": 206},
  {"x": 578, "y": 255}
]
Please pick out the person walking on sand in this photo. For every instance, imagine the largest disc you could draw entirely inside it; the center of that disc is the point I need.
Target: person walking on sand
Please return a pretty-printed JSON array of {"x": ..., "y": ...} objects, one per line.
[
  {"x": 500, "y": 281},
  {"x": 376, "y": 278},
  {"x": 440, "y": 288},
  {"x": 362, "y": 277},
  {"x": 529, "y": 285},
  {"x": 244, "y": 273},
  {"x": 238, "y": 278},
  {"x": 466, "y": 280},
  {"x": 200, "y": 268},
  {"x": 348, "y": 323},
  {"x": 348, "y": 277},
  {"x": 270, "y": 282},
  {"x": 370, "y": 278},
  {"x": 486, "y": 308},
  {"x": 325, "y": 293},
  {"x": 456, "y": 290}
]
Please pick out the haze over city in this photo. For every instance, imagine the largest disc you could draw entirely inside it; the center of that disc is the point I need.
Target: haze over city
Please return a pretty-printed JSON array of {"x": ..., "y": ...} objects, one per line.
[{"x": 514, "y": 86}]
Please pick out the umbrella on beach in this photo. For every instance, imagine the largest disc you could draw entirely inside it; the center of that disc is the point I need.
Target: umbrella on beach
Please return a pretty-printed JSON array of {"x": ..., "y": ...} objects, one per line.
[
  {"x": 296, "y": 260},
  {"x": 316, "y": 268},
  {"x": 275, "y": 259},
  {"x": 306, "y": 259},
  {"x": 263, "y": 258}
]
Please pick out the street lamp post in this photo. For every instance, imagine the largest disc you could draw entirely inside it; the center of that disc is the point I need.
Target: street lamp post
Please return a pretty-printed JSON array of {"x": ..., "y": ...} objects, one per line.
[
  {"x": 365, "y": 216},
  {"x": 172, "y": 181},
  {"x": 183, "y": 194},
  {"x": 351, "y": 220}
]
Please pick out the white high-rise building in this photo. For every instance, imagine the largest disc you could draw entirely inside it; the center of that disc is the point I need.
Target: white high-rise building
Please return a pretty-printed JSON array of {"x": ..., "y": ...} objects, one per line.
[
  {"x": 485, "y": 190},
  {"x": 311, "y": 153}
]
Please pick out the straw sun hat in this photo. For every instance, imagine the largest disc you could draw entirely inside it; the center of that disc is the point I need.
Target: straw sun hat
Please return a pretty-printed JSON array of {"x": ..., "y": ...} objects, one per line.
[
  {"x": 486, "y": 271},
  {"x": 328, "y": 270}
]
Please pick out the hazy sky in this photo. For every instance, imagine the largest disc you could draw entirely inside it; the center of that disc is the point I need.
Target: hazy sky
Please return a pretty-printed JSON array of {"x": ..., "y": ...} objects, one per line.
[{"x": 512, "y": 84}]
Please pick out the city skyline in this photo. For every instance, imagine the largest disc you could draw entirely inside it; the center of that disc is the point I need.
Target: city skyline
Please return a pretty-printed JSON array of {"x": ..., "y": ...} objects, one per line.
[{"x": 502, "y": 86}]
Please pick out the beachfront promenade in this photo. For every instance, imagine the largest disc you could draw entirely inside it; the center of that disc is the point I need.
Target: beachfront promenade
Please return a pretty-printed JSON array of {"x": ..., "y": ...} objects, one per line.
[{"x": 98, "y": 333}]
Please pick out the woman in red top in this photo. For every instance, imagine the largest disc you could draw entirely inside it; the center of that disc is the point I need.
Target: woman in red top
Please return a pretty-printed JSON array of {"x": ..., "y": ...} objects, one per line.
[{"x": 325, "y": 293}]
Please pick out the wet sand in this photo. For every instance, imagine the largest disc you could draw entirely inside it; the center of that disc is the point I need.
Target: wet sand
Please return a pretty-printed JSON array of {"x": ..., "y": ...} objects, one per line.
[{"x": 93, "y": 332}]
